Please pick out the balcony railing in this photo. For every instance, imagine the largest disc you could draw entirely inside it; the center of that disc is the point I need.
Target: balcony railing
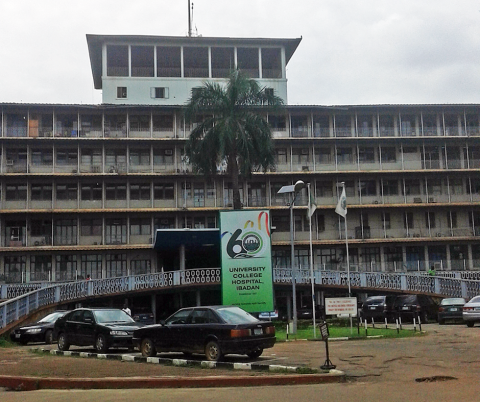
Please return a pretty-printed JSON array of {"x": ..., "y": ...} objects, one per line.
[{"x": 26, "y": 299}]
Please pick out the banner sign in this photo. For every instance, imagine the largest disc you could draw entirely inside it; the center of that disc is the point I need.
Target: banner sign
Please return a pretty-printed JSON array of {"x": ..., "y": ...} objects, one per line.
[
  {"x": 246, "y": 253},
  {"x": 341, "y": 305}
]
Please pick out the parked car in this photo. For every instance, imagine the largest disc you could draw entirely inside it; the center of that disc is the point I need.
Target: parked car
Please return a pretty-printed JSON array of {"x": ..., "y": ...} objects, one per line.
[
  {"x": 144, "y": 317},
  {"x": 40, "y": 331},
  {"x": 378, "y": 308},
  {"x": 408, "y": 307},
  {"x": 211, "y": 330},
  {"x": 471, "y": 311},
  {"x": 306, "y": 313},
  {"x": 102, "y": 328},
  {"x": 451, "y": 309}
]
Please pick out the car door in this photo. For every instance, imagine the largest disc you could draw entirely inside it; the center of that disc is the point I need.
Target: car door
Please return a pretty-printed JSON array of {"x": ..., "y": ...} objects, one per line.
[
  {"x": 72, "y": 327},
  {"x": 169, "y": 338},
  {"x": 192, "y": 337},
  {"x": 86, "y": 329}
]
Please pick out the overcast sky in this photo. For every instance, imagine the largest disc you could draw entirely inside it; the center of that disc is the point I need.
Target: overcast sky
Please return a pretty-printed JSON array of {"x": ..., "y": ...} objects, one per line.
[{"x": 352, "y": 52}]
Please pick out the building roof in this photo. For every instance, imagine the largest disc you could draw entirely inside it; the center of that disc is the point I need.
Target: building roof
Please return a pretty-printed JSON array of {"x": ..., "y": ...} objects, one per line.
[{"x": 95, "y": 43}]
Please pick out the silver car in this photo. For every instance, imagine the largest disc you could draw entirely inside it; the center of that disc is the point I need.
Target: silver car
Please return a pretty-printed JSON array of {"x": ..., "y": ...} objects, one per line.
[{"x": 471, "y": 311}]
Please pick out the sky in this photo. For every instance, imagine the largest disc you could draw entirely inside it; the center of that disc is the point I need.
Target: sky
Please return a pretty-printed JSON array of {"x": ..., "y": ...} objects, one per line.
[{"x": 353, "y": 52}]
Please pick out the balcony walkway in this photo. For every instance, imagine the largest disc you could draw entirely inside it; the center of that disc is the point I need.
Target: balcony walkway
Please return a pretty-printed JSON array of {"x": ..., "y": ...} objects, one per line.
[{"x": 25, "y": 299}]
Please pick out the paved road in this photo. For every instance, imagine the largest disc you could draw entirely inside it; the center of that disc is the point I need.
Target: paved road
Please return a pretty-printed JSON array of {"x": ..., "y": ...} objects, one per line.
[{"x": 378, "y": 370}]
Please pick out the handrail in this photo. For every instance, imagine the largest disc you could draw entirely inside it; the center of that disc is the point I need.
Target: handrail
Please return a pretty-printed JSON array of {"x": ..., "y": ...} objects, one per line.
[{"x": 26, "y": 300}]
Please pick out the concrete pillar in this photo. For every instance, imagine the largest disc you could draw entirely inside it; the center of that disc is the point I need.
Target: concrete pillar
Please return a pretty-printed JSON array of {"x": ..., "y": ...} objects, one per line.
[
  {"x": 153, "y": 306},
  {"x": 470, "y": 257},
  {"x": 182, "y": 257},
  {"x": 449, "y": 262}
]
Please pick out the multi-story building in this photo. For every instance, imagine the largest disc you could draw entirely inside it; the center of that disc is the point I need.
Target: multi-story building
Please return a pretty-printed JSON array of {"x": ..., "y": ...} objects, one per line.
[{"x": 83, "y": 188}]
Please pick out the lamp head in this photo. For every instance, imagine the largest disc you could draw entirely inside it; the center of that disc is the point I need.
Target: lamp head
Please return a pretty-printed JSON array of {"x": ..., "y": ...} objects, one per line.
[{"x": 298, "y": 186}]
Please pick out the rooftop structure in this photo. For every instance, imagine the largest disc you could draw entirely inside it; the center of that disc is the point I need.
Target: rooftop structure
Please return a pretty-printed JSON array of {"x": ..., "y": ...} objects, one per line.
[{"x": 162, "y": 70}]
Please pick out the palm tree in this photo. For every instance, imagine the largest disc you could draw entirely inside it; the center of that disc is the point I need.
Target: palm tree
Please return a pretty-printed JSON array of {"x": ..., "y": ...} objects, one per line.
[{"x": 231, "y": 128}]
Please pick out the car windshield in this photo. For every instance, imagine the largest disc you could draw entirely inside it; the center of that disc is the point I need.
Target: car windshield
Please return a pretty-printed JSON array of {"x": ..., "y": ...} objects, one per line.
[
  {"x": 375, "y": 299},
  {"x": 456, "y": 300},
  {"x": 112, "y": 316},
  {"x": 53, "y": 317},
  {"x": 410, "y": 299},
  {"x": 235, "y": 315}
]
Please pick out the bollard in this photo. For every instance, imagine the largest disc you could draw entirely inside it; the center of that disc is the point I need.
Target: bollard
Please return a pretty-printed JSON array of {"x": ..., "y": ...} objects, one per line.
[
  {"x": 398, "y": 328},
  {"x": 414, "y": 325},
  {"x": 287, "y": 332},
  {"x": 386, "y": 323},
  {"x": 366, "y": 328},
  {"x": 373, "y": 323},
  {"x": 400, "y": 321},
  {"x": 419, "y": 324}
]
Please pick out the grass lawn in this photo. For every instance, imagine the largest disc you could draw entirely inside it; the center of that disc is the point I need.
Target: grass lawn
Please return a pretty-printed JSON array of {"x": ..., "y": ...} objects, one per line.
[{"x": 339, "y": 330}]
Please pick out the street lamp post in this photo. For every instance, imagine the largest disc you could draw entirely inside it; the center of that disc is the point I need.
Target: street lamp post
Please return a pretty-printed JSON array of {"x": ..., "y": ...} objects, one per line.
[{"x": 294, "y": 190}]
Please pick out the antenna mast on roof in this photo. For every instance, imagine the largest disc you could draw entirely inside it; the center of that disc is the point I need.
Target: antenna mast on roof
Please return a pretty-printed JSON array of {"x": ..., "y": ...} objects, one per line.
[{"x": 189, "y": 19}]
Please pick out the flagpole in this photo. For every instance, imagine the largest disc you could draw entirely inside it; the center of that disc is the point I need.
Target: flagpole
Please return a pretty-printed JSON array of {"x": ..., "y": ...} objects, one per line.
[
  {"x": 311, "y": 259},
  {"x": 346, "y": 246}
]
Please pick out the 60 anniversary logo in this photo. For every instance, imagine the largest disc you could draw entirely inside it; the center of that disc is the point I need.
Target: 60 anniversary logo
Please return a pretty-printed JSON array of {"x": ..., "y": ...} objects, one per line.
[{"x": 247, "y": 243}]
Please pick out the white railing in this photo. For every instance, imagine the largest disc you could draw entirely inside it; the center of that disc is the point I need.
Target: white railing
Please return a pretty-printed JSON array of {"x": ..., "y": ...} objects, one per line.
[{"x": 25, "y": 299}]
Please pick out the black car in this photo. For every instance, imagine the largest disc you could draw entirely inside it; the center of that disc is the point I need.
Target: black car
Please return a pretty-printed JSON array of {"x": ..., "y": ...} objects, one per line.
[
  {"x": 144, "y": 317},
  {"x": 41, "y": 331},
  {"x": 378, "y": 308},
  {"x": 102, "y": 328},
  {"x": 214, "y": 331},
  {"x": 414, "y": 306},
  {"x": 451, "y": 309}
]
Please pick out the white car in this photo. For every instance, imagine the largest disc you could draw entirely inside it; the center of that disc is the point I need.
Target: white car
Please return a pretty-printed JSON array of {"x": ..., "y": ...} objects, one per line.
[{"x": 471, "y": 311}]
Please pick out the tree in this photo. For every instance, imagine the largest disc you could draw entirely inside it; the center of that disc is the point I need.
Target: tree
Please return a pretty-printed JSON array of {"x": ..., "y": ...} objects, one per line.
[{"x": 231, "y": 128}]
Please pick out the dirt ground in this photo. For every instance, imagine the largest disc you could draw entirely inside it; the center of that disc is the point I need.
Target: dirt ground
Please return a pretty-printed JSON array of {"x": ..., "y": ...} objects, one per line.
[{"x": 449, "y": 352}]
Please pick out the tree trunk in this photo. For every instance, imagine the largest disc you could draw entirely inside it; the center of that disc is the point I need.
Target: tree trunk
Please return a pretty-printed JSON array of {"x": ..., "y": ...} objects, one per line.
[{"x": 237, "y": 203}]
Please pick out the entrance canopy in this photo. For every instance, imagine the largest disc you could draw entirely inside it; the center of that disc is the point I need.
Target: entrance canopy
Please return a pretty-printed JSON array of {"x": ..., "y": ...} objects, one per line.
[{"x": 173, "y": 239}]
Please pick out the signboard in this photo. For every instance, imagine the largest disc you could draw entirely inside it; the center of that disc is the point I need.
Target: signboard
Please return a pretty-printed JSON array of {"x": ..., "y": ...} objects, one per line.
[
  {"x": 341, "y": 305},
  {"x": 246, "y": 253},
  {"x": 324, "y": 331}
]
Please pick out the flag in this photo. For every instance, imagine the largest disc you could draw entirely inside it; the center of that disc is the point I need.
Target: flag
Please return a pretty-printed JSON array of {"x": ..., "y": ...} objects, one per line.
[
  {"x": 342, "y": 204},
  {"x": 312, "y": 206}
]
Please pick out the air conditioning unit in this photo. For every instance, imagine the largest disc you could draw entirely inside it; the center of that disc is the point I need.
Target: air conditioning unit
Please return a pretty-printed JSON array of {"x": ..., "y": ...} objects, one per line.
[
  {"x": 439, "y": 234},
  {"x": 416, "y": 235},
  {"x": 431, "y": 199},
  {"x": 437, "y": 265},
  {"x": 305, "y": 168},
  {"x": 417, "y": 200},
  {"x": 9, "y": 162}
]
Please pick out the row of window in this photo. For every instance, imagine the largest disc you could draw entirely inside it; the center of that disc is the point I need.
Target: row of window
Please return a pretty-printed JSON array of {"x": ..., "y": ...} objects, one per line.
[
  {"x": 145, "y": 190},
  {"x": 120, "y": 124},
  {"x": 190, "y": 61}
]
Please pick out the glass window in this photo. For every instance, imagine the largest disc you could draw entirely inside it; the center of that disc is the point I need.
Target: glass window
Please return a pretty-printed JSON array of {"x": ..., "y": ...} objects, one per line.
[
  {"x": 247, "y": 60},
  {"x": 117, "y": 60},
  {"x": 271, "y": 63},
  {"x": 168, "y": 61},
  {"x": 142, "y": 61},
  {"x": 195, "y": 61}
]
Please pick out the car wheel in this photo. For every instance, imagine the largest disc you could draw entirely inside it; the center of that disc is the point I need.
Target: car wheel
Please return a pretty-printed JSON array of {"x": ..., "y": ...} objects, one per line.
[
  {"x": 470, "y": 324},
  {"x": 255, "y": 353},
  {"x": 148, "y": 348},
  {"x": 213, "y": 352},
  {"x": 101, "y": 344},
  {"x": 49, "y": 337},
  {"x": 62, "y": 342}
]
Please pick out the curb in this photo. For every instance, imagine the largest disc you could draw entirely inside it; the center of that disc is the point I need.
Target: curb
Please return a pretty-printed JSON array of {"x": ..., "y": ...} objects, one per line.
[
  {"x": 35, "y": 383},
  {"x": 176, "y": 362}
]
